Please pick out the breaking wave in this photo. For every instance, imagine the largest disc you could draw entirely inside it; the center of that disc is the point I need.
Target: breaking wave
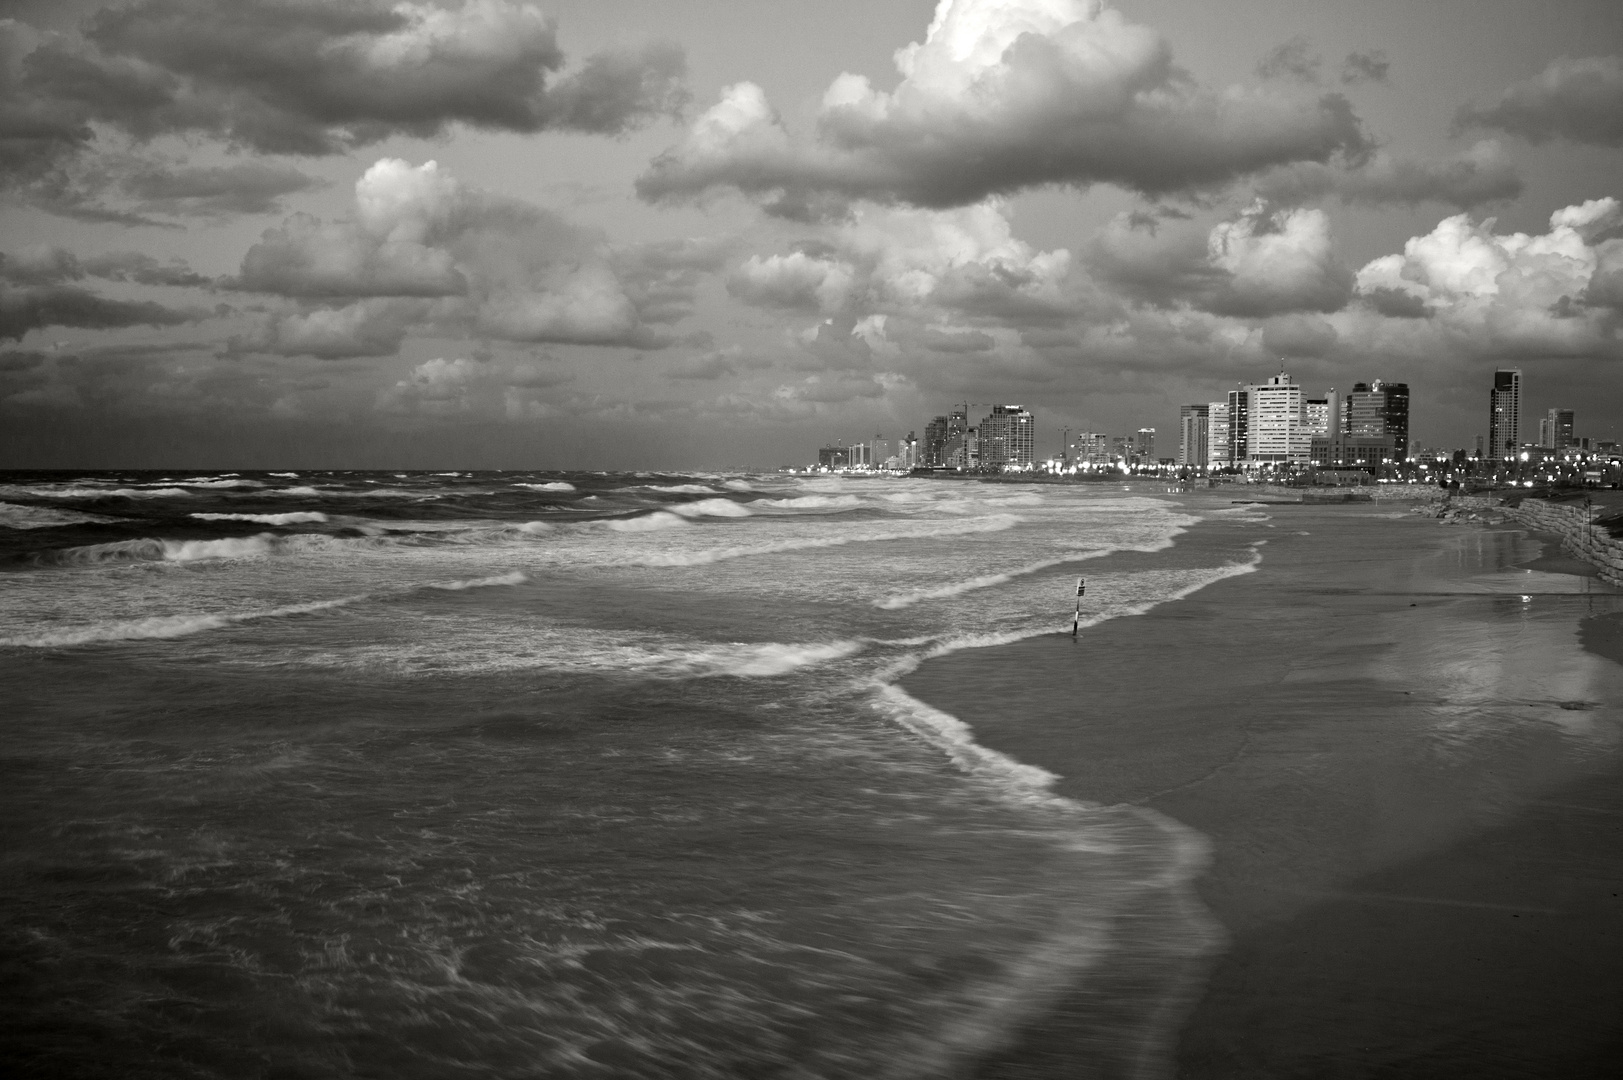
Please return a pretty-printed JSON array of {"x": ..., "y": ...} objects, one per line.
[
  {"x": 714, "y": 555},
  {"x": 712, "y": 508},
  {"x": 13, "y": 516},
  {"x": 986, "y": 581},
  {"x": 162, "y": 626},
  {"x": 554, "y": 485},
  {"x": 516, "y": 577},
  {"x": 148, "y": 549},
  {"x": 810, "y": 502},
  {"x": 297, "y": 517},
  {"x": 659, "y": 519}
]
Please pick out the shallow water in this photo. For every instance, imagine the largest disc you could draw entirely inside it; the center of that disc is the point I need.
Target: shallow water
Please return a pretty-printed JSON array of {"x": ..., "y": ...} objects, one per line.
[{"x": 548, "y": 774}]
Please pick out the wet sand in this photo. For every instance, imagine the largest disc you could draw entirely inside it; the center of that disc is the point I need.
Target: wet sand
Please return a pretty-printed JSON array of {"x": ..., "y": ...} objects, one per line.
[{"x": 1402, "y": 740}]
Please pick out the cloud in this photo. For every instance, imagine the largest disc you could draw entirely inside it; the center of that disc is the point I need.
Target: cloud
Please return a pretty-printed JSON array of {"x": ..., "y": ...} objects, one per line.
[
  {"x": 461, "y": 386},
  {"x": 308, "y": 78},
  {"x": 367, "y": 328},
  {"x": 796, "y": 280},
  {"x": 718, "y": 364},
  {"x": 244, "y": 187},
  {"x": 53, "y": 265},
  {"x": 25, "y": 309},
  {"x": 1365, "y": 67},
  {"x": 1293, "y": 59},
  {"x": 1580, "y": 100},
  {"x": 1512, "y": 294},
  {"x": 501, "y": 268},
  {"x": 1263, "y": 262},
  {"x": 1483, "y": 173},
  {"x": 1003, "y": 95}
]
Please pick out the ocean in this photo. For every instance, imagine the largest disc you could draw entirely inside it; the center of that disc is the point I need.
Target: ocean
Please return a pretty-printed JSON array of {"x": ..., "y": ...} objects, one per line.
[{"x": 554, "y": 774}]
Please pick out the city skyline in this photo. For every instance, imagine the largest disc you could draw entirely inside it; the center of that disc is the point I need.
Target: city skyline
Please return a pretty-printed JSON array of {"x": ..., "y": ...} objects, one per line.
[{"x": 497, "y": 233}]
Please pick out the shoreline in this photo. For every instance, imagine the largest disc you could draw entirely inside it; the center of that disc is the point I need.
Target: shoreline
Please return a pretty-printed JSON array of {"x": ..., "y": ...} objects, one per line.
[{"x": 1391, "y": 733}]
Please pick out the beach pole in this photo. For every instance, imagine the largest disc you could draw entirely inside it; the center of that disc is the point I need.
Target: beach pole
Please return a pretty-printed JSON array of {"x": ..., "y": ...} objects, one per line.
[{"x": 1076, "y": 620}]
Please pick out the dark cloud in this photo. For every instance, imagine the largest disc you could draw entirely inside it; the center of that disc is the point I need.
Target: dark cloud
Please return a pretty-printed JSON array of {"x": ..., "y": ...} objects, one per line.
[
  {"x": 299, "y": 77},
  {"x": 53, "y": 265},
  {"x": 25, "y": 309},
  {"x": 1072, "y": 95},
  {"x": 1365, "y": 67},
  {"x": 1482, "y": 174},
  {"x": 244, "y": 187},
  {"x": 1294, "y": 59},
  {"x": 1581, "y": 100}
]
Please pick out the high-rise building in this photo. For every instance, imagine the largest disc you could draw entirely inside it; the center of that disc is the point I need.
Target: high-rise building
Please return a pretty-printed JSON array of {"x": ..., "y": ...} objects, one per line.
[
  {"x": 1092, "y": 448},
  {"x": 1316, "y": 416},
  {"x": 1555, "y": 430},
  {"x": 1146, "y": 446},
  {"x": 1505, "y": 414},
  {"x": 1008, "y": 438},
  {"x": 938, "y": 433},
  {"x": 1239, "y": 425},
  {"x": 1378, "y": 409},
  {"x": 1194, "y": 422},
  {"x": 1219, "y": 449},
  {"x": 1275, "y": 429},
  {"x": 834, "y": 457}
]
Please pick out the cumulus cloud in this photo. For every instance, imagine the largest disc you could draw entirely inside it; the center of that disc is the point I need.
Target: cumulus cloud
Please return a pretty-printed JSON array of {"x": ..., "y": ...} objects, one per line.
[
  {"x": 1263, "y": 262},
  {"x": 501, "y": 268},
  {"x": 1483, "y": 173},
  {"x": 1004, "y": 95},
  {"x": 1551, "y": 294},
  {"x": 1581, "y": 100}
]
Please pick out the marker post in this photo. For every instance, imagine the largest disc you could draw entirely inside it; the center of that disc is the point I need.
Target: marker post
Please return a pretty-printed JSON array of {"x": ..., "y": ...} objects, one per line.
[{"x": 1076, "y": 620}]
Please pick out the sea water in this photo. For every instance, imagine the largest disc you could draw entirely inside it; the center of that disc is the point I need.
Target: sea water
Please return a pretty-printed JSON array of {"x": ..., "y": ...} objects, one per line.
[{"x": 553, "y": 775}]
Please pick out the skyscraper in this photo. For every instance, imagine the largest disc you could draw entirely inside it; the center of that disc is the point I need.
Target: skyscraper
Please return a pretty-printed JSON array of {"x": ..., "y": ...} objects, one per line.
[
  {"x": 1193, "y": 424},
  {"x": 1008, "y": 438},
  {"x": 1555, "y": 430},
  {"x": 938, "y": 433},
  {"x": 1219, "y": 450},
  {"x": 1276, "y": 429},
  {"x": 1239, "y": 425},
  {"x": 1146, "y": 446},
  {"x": 1378, "y": 409},
  {"x": 1505, "y": 414}
]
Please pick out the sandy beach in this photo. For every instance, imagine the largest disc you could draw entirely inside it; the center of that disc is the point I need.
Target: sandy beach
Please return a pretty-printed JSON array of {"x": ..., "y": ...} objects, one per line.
[{"x": 1402, "y": 741}]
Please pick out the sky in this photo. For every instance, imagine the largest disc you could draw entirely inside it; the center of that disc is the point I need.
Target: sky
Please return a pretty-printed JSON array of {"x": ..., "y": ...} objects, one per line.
[{"x": 708, "y": 234}]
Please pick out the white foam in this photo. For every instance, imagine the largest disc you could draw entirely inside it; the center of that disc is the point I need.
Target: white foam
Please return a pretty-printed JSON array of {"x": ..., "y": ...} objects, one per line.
[
  {"x": 205, "y": 482},
  {"x": 554, "y": 485},
  {"x": 683, "y": 489},
  {"x": 1022, "y": 782},
  {"x": 810, "y": 502},
  {"x": 715, "y": 555},
  {"x": 297, "y": 517},
  {"x": 737, "y": 485},
  {"x": 300, "y": 490},
  {"x": 43, "y": 517},
  {"x": 985, "y": 581},
  {"x": 659, "y": 519},
  {"x": 285, "y": 475},
  {"x": 712, "y": 508},
  {"x": 516, "y": 577},
  {"x": 149, "y": 549},
  {"x": 161, "y": 626},
  {"x": 77, "y": 492}
]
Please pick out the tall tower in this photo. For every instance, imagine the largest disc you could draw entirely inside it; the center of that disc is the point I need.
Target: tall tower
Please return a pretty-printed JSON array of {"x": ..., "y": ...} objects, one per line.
[
  {"x": 1505, "y": 414},
  {"x": 1194, "y": 421},
  {"x": 1555, "y": 430}
]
